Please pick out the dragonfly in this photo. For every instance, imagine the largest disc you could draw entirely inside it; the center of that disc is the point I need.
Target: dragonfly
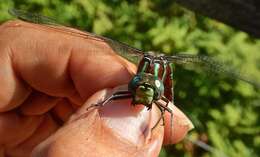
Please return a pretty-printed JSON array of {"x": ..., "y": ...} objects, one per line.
[{"x": 155, "y": 77}]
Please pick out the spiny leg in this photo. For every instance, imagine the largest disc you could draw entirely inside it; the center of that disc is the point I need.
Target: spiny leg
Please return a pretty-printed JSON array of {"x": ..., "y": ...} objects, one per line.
[
  {"x": 162, "y": 115},
  {"x": 165, "y": 108},
  {"x": 169, "y": 82},
  {"x": 115, "y": 96},
  {"x": 172, "y": 68},
  {"x": 165, "y": 100}
]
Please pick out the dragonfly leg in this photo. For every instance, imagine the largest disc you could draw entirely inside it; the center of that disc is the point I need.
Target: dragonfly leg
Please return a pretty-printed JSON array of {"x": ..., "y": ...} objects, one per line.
[
  {"x": 167, "y": 108},
  {"x": 162, "y": 114},
  {"x": 165, "y": 100},
  {"x": 117, "y": 95},
  {"x": 172, "y": 68},
  {"x": 164, "y": 108}
]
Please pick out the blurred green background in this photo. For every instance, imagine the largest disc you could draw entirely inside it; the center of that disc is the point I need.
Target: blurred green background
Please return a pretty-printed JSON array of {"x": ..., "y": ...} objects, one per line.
[{"x": 225, "y": 111}]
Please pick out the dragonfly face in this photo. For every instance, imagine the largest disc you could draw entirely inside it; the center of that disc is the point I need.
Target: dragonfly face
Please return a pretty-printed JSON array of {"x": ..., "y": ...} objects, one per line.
[{"x": 145, "y": 89}]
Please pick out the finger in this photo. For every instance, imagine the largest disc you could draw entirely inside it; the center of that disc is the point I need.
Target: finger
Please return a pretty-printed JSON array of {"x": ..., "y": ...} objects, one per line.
[
  {"x": 46, "y": 128},
  {"x": 2, "y": 151},
  {"x": 118, "y": 129},
  {"x": 63, "y": 110},
  {"x": 38, "y": 103},
  {"x": 54, "y": 62},
  {"x": 13, "y": 91},
  {"x": 20, "y": 129}
]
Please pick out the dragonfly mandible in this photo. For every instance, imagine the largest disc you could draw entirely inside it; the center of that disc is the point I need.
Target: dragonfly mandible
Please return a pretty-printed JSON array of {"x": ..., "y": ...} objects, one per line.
[{"x": 154, "y": 80}]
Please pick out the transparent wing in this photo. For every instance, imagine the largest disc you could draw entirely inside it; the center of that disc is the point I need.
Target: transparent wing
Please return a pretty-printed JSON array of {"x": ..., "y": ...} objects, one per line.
[
  {"x": 130, "y": 53},
  {"x": 211, "y": 65}
]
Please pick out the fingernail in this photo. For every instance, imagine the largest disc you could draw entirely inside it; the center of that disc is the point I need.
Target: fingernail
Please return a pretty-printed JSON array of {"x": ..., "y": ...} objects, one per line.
[{"x": 187, "y": 122}]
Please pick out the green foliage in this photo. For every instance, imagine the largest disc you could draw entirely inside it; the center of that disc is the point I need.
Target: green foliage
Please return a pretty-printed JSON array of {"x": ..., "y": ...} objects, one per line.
[{"x": 225, "y": 111}]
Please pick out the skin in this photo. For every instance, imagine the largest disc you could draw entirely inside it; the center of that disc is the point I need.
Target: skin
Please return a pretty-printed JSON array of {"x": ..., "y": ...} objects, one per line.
[{"x": 48, "y": 78}]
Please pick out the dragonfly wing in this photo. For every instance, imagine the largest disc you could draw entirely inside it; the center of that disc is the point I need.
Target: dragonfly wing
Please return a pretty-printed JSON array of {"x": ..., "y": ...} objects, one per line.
[
  {"x": 32, "y": 17},
  {"x": 130, "y": 53},
  {"x": 211, "y": 65}
]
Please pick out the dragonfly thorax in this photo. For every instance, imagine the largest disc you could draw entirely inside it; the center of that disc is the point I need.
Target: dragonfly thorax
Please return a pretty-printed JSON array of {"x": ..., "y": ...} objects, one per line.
[{"x": 145, "y": 89}]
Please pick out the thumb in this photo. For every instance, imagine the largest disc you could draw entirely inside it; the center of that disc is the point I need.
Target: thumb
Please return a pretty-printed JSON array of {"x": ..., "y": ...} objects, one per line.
[{"x": 117, "y": 129}]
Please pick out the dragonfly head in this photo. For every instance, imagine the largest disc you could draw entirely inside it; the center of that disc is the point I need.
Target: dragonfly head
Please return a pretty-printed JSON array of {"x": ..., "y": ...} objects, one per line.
[{"x": 145, "y": 89}]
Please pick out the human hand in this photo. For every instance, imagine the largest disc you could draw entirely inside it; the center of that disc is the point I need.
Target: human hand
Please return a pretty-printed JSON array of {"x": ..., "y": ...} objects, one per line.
[{"x": 49, "y": 77}]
